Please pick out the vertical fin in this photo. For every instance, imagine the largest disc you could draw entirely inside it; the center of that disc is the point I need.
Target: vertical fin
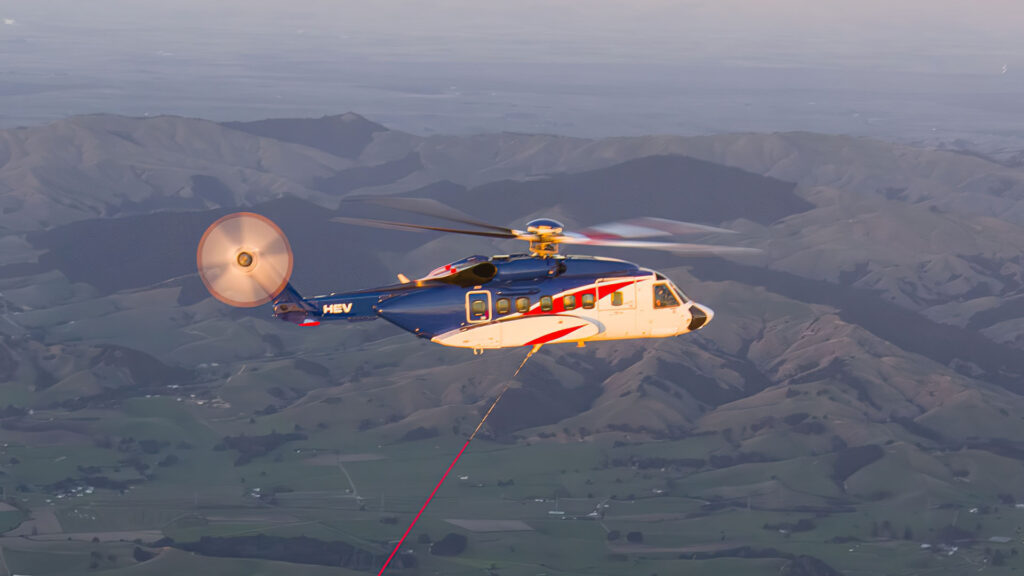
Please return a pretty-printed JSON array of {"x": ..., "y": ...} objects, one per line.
[{"x": 291, "y": 301}]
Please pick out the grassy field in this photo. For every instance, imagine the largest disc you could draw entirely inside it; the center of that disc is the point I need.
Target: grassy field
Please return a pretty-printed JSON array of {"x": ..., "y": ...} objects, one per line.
[{"x": 205, "y": 494}]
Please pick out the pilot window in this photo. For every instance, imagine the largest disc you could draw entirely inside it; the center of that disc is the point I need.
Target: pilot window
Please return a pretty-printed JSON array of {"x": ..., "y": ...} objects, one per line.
[
  {"x": 569, "y": 302},
  {"x": 616, "y": 298},
  {"x": 663, "y": 296},
  {"x": 522, "y": 304},
  {"x": 587, "y": 300},
  {"x": 502, "y": 306},
  {"x": 545, "y": 303}
]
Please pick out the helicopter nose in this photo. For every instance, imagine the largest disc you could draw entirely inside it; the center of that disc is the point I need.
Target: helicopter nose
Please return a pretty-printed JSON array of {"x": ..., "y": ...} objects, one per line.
[{"x": 701, "y": 316}]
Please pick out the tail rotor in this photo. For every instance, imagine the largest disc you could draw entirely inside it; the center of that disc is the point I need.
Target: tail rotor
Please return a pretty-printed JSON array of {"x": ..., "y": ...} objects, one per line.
[{"x": 244, "y": 259}]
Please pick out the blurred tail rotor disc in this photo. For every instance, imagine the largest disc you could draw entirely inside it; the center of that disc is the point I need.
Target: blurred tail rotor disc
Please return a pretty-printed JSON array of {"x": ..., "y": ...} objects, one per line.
[{"x": 244, "y": 259}]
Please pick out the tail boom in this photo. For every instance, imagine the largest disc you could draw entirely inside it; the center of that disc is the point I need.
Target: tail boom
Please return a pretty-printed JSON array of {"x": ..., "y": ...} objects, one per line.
[{"x": 352, "y": 306}]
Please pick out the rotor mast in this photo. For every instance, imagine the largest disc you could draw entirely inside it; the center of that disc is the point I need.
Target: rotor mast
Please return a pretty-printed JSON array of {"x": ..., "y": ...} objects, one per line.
[{"x": 543, "y": 248}]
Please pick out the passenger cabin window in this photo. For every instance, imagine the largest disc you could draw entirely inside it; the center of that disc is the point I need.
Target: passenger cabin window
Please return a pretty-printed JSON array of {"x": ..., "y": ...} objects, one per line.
[
  {"x": 569, "y": 302},
  {"x": 522, "y": 304},
  {"x": 588, "y": 300},
  {"x": 479, "y": 309},
  {"x": 545, "y": 303},
  {"x": 663, "y": 296},
  {"x": 616, "y": 298},
  {"x": 502, "y": 306}
]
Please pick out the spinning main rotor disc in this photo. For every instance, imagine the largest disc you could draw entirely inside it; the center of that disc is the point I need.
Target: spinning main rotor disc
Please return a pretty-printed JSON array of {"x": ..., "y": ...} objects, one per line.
[
  {"x": 545, "y": 235},
  {"x": 244, "y": 259}
]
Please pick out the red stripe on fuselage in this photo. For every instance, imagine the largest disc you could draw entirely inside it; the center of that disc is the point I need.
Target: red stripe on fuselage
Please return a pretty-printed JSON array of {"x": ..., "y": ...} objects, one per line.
[
  {"x": 553, "y": 336},
  {"x": 558, "y": 302},
  {"x": 606, "y": 289}
]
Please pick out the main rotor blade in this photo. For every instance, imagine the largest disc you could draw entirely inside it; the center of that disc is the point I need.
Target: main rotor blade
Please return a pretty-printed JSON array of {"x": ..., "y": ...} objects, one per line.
[
  {"x": 648, "y": 227},
  {"x": 680, "y": 249},
  {"x": 429, "y": 207},
  {"x": 417, "y": 227}
]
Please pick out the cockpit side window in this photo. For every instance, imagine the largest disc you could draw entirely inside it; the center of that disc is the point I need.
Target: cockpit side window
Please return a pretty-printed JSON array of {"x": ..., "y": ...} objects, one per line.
[{"x": 663, "y": 296}]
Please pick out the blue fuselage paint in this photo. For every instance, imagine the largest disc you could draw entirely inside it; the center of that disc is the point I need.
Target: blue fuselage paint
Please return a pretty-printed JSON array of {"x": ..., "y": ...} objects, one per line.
[{"x": 436, "y": 306}]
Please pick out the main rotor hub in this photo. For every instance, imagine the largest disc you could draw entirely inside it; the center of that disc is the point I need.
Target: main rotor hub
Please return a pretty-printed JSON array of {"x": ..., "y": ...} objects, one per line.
[
  {"x": 544, "y": 226},
  {"x": 244, "y": 259},
  {"x": 546, "y": 232}
]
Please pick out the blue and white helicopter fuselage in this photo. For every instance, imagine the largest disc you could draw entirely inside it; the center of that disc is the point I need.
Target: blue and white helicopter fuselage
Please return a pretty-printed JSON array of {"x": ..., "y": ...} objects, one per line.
[{"x": 518, "y": 300}]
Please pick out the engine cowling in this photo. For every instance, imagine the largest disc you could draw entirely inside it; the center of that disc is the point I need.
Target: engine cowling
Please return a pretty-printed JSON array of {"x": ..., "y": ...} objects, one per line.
[{"x": 529, "y": 268}]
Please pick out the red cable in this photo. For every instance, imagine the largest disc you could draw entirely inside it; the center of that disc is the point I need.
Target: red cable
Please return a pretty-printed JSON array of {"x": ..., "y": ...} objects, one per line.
[
  {"x": 450, "y": 466},
  {"x": 429, "y": 498}
]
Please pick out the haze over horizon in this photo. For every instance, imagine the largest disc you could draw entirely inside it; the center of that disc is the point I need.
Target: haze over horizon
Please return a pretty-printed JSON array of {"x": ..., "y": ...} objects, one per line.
[{"x": 913, "y": 70}]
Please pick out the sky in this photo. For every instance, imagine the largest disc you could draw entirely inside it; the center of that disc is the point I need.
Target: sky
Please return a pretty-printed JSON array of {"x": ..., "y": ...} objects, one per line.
[
  {"x": 584, "y": 28},
  {"x": 61, "y": 57}
]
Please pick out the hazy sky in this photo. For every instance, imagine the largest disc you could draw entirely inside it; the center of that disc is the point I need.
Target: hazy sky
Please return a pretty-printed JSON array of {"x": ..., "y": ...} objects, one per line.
[
  {"x": 246, "y": 58},
  {"x": 571, "y": 29}
]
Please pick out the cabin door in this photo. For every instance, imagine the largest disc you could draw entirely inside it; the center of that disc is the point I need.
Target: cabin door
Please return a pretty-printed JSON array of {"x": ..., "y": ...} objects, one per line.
[
  {"x": 616, "y": 308},
  {"x": 667, "y": 313},
  {"x": 478, "y": 306}
]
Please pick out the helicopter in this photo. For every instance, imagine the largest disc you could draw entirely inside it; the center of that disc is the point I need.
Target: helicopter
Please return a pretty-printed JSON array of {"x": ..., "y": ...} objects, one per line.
[{"x": 529, "y": 299}]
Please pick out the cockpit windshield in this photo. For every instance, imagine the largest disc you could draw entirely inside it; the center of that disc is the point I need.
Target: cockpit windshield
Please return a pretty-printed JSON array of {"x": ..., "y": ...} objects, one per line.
[{"x": 678, "y": 292}]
